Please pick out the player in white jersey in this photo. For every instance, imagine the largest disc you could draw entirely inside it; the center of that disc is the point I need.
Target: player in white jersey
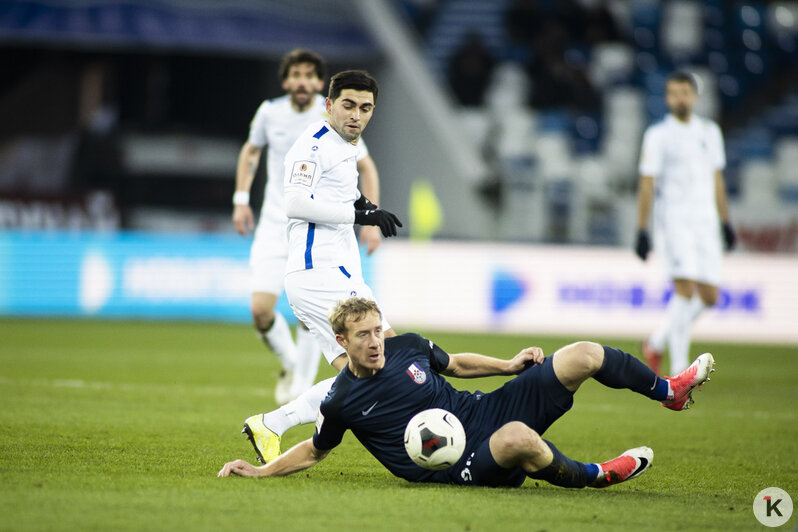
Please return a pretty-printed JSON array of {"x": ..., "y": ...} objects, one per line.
[
  {"x": 322, "y": 203},
  {"x": 681, "y": 164},
  {"x": 278, "y": 122}
]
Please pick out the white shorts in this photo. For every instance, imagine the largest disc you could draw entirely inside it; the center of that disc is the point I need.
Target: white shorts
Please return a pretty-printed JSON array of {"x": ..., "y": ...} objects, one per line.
[
  {"x": 268, "y": 256},
  {"x": 690, "y": 251},
  {"x": 313, "y": 293}
]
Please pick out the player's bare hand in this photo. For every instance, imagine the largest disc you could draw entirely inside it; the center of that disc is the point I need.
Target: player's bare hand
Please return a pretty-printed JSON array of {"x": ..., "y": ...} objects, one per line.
[
  {"x": 371, "y": 237},
  {"x": 526, "y": 358},
  {"x": 243, "y": 219},
  {"x": 238, "y": 467}
]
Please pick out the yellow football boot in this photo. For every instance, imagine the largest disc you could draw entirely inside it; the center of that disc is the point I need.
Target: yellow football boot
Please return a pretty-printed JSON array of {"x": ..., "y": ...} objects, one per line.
[{"x": 265, "y": 442}]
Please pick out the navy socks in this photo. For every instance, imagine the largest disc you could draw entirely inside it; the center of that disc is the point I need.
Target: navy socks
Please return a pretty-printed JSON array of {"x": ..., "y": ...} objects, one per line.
[
  {"x": 564, "y": 472},
  {"x": 622, "y": 370}
]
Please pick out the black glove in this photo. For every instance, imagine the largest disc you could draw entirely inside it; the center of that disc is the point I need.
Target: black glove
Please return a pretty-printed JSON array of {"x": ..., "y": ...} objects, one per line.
[
  {"x": 363, "y": 203},
  {"x": 385, "y": 220},
  {"x": 643, "y": 245},
  {"x": 728, "y": 236}
]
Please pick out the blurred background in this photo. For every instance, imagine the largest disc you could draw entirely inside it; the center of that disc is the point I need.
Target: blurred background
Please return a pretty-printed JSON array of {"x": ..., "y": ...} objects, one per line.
[{"x": 507, "y": 135}]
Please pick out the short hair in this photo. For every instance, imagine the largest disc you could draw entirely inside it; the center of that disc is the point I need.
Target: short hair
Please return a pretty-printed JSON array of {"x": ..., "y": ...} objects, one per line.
[
  {"x": 359, "y": 80},
  {"x": 352, "y": 309},
  {"x": 301, "y": 55},
  {"x": 680, "y": 76}
]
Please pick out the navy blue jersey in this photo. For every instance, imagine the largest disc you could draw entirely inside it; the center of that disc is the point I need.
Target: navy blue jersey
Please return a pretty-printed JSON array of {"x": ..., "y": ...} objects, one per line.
[{"x": 377, "y": 409}]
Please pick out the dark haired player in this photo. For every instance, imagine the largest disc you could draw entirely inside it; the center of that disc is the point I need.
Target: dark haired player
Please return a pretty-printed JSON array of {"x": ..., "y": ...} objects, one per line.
[
  {"x": 277, "y": 123},
  {"x": 681, "y": 174}
]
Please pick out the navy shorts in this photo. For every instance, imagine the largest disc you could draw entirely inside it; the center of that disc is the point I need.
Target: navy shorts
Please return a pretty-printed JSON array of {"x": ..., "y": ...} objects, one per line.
[{"x": 536, "y": 398}]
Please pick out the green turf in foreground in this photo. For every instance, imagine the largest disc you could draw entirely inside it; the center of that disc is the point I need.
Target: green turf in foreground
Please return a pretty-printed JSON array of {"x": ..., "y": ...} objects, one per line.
[{"x": 123, "y": 426}]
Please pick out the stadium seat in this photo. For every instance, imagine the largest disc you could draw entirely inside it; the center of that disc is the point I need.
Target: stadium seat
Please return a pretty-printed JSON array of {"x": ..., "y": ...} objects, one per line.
[{"x": 786, "y": 163}]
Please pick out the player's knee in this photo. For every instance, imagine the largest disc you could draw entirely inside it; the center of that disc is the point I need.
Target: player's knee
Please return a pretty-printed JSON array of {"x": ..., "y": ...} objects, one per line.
[
  {"x": 583, "y": 359},
  {"x": 709, "y": 299},
  {"x": 262, "y": 315},
  {"x": 520, "y": 440},
  {"x": 592, "y": 355}
]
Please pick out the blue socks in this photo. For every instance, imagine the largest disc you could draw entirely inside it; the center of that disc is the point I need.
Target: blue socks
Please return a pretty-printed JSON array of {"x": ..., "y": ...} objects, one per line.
[
  {"x": 564, "y": 472},
  {"x": 622, "y": 370}
]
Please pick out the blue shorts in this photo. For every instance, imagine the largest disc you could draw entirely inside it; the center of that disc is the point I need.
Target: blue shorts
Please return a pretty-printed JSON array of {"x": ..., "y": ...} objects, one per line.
[{"x": 536, "y": 398}]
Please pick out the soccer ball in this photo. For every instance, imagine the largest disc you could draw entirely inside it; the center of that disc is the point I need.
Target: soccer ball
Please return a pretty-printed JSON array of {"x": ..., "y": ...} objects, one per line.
[{"x": 435, "y": 439}]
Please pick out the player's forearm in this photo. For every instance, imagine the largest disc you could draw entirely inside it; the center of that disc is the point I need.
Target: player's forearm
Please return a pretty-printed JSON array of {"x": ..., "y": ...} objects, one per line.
[
  {"x": 299, "y": 457},
  {"x": 369, "y": 179},
  {"x": 721, "y": 197},
  {"x": 645, "y": 197},
  {"x": 299, "y": 205},
  {"x": 471, "y": 365},
  {"x": 248, "y": 160}
]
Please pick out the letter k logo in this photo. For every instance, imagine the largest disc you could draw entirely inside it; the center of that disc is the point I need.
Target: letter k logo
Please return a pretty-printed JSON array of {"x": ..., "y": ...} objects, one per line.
[{"x": 773, "y": 506}]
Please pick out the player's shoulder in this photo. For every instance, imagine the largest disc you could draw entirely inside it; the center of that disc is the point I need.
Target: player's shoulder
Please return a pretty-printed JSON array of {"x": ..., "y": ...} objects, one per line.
[
  {"x": 708, "y": 123},
  {"x": 657, "y": 126},
  {"x": 315, "y": 132},
  {"x": 273, "y": 105},
  {"x": 404, "y": 341},
  {"x": 310, "y": 137}
]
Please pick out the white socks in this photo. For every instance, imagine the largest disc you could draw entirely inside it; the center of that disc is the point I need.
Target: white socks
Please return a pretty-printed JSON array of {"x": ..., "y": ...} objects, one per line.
[
  {"x": 679, "y": 332},
  {"x": 279, "y": 340},
  {"x": 681, "y": 313},
  {"x": 307, "y": 361},
  {"x": 303, "y": 409},
  {"x": 697, "y": 306}
]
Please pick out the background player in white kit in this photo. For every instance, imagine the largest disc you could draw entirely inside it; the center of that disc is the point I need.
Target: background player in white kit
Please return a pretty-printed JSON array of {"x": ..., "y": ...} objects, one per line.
[
  {"x": 277, "y": 123},
  {"x": 682, "y": 163},
  {"x": 322, "y": 203}
]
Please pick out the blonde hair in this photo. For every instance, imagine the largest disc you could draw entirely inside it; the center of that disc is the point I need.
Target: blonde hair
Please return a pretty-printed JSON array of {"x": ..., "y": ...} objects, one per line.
[{"x": 352, "y": 309}]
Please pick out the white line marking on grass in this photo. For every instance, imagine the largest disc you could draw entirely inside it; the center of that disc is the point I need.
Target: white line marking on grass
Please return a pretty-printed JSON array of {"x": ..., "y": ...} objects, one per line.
[{"x": 137, "y": 387}]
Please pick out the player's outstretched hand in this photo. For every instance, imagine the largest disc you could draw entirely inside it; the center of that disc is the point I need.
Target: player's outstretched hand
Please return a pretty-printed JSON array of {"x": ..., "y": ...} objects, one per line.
[
  {"x": 238, "y": 467},
  {"x": 728, "y": 236},
  {"x": 526, "y": 358},
  {"x": 243, "y": 219},
  {"x": 643, "y": 244},
  {"x": 387, "y": 221}
]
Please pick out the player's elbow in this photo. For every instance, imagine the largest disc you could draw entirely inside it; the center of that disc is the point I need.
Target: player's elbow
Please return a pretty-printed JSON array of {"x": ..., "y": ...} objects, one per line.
[
  {"x": 318, "y": 454},
  {"x": 249, "y": 151},
  {"x": 294, "y": 205}
]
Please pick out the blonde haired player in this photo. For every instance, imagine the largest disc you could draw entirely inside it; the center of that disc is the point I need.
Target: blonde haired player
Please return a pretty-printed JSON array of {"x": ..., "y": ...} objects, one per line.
[{"x": 681, "y": 164}]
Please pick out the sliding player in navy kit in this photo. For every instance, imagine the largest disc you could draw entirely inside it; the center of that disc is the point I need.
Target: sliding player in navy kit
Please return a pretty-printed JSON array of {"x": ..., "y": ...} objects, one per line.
[{"x": 387, "y": 381}]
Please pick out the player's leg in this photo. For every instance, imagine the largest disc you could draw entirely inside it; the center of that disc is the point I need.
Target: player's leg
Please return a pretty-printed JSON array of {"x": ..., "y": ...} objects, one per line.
[
  {"x": 265, "y": 431},
  {"x": 272, "y": 329},
  {"x": 680, "y": 316},
  {"x": 308, "y": 355},
  {"x": 575, "y": 363},
  {"x": 267, "y": 266},
  {"x": 311, "y": 293},
  {"x": 675, "y": 249},
  {"x": 515, "y": 445}
]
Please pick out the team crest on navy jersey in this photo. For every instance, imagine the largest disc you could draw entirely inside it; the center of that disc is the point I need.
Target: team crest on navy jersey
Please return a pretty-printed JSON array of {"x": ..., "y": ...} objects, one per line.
[{"x": 417, "y": 374}]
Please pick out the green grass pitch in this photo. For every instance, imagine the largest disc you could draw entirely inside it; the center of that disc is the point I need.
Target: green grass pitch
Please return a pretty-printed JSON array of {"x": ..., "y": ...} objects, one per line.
[{"x": 123, "y": 426}]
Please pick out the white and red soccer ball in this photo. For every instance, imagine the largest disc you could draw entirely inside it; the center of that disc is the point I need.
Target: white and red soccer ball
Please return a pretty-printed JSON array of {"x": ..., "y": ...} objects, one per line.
[{"x": 435, "y": 439}]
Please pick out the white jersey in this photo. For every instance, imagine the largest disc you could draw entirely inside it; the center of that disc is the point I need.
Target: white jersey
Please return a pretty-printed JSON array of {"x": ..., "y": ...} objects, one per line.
[
  {"x": 323, "y": 166},
  {"x": 278, "y": 124},
  {"x": 682, "y": 158}
]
